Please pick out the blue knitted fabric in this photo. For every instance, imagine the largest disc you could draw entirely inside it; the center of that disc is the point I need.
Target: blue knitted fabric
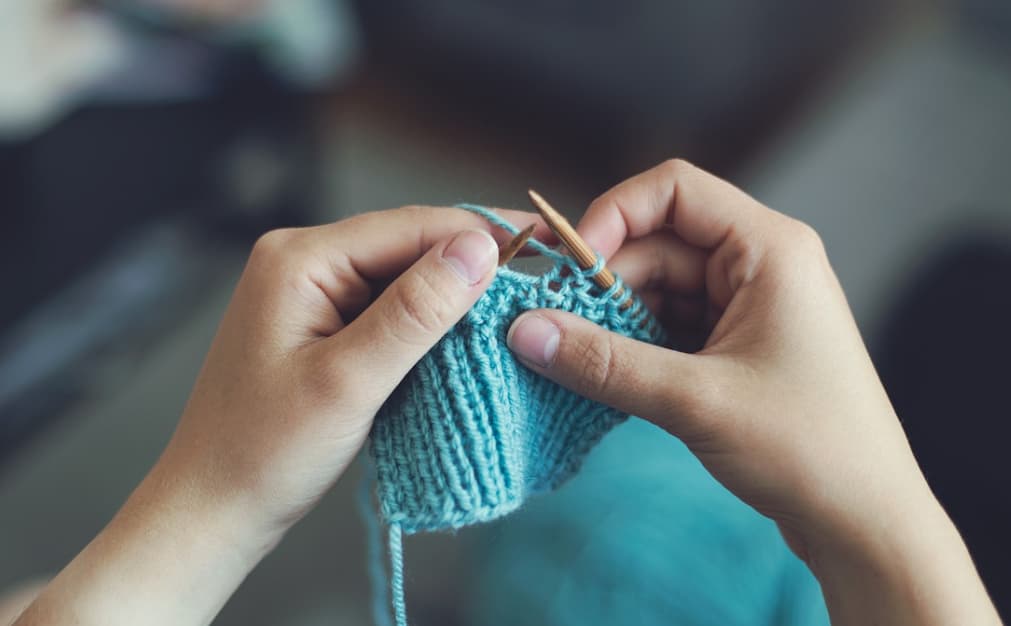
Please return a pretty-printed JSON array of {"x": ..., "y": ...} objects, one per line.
[
  {"x": 642, "y": 535},
  {"x": 471, "y": 433}
]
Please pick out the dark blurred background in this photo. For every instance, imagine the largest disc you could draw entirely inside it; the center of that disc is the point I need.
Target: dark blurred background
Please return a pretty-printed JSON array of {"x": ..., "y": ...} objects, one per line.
[{"x": 145, "y": 143}]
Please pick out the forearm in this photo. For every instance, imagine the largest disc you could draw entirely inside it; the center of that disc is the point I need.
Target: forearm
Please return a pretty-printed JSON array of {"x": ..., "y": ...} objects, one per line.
[
  {"x": 171, "y": 555},
  {"x": 284, "y": 402},
  {"x": 912, "y": 571}
]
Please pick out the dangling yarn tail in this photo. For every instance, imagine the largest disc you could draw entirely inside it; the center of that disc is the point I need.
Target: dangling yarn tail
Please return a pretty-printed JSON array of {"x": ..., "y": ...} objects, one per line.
[
  {"x": 397, "y": 574},
  {"x": 377, "y": 573}
]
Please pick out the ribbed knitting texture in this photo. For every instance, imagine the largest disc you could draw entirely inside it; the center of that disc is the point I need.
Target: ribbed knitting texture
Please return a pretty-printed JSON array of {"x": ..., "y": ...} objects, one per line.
[{"x": 471, "y": 433}]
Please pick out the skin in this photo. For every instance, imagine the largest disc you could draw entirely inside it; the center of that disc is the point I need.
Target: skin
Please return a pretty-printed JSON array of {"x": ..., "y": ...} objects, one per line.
[{"x": 782, "y": 404}]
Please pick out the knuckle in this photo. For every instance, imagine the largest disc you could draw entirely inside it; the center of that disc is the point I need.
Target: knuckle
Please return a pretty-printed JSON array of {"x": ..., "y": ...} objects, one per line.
[
  {"x": 807, "y": 237},
  {"x": 423, "y": 216},
  {"x": 797, "y": 248},
  {"x": 273, "y": 242},
  {"x": 418, "y": 209},
  {"x": 418, "y": 213},
  {"x": 741, "y": 259},
  {"x": 677, "y": 167},
  {"x": 600, "y": 201},
  {"x": 420, "y": 311},
  {"x": 274, "y": 252},
  {"x": 595, "y": 360},
  {"x": 273, "y": 257}
]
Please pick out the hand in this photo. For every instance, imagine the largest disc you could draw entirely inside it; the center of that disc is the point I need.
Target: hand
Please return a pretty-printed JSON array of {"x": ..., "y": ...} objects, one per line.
[
  {"x": 307, "y": 352},
  {"x": 300, "y": 366},
  {"x": 781, "y": 404}
]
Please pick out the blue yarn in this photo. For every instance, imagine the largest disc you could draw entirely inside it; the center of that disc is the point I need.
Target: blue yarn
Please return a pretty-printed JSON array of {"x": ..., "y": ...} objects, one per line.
[
  {"x": 642, "y": 535},
  {"x": 471, "y": 433},
  {"x": 495, "y": 220},
  {"x": 373, "y": 540},
  {"x": 397, "y": 574}
]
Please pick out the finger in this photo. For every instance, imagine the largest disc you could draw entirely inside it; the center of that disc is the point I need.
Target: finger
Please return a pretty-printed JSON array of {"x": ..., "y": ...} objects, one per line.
[
  {"x": 319, "y": 278},
  {"x": 711, "y": 214},
  {"x": 668, "y": 275},
  {"x": 416, "y": 310},
  {"x": 700, "y": 208},
  {"x": 661, "y": 385},
  {"x": 377, "y": 246},
  {"x": 382, "y": 244},
  {"x": 661, "y": 261}
]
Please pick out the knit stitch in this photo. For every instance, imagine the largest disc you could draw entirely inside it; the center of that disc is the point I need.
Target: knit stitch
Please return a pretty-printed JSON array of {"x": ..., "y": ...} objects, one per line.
[{"x": 471, "y": 433}]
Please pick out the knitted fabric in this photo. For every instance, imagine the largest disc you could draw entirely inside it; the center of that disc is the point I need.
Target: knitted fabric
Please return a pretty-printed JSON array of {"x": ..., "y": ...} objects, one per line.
[
  {"x": 471, "y": 433},
  {"x": 642, "y": 535}
]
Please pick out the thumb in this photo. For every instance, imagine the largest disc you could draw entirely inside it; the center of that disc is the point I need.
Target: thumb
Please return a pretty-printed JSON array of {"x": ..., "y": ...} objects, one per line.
[
  {"x": 672, "y": 389},
  {"x": 419, "y": 307}
]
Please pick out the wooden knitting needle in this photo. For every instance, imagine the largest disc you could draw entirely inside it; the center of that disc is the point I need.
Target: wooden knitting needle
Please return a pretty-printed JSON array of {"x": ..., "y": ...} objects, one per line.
[
  {"x": 585, "y": 257},
  {"x": 509, "y": 250}
]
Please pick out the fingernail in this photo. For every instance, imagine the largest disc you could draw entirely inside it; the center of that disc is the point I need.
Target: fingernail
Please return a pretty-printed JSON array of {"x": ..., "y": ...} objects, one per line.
[
  {"x": 471, "y": 255},
  {"x": 534, "y": 338}
]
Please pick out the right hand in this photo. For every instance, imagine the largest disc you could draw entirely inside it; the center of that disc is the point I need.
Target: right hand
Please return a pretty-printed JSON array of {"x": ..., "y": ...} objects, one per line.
[{"x": 782, "y": 404}]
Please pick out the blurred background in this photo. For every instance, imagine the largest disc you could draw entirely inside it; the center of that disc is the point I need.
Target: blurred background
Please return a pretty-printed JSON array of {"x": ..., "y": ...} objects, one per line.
[{"x": 144, "y": 144}]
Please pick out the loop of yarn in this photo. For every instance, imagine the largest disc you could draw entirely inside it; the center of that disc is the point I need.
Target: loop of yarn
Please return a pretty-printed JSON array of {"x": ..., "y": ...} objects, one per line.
[
  {"x": 594, "y": 269},
  {"x": 471, "y": 433}
]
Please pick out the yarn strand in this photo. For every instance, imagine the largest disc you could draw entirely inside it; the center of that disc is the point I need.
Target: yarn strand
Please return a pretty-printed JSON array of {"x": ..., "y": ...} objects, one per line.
[
  {"x": 397, "y": 574},
  {"x": 374, "y": 545},
  {"x": 495, "y": 220},
  {"x": 471, "y": 433}
]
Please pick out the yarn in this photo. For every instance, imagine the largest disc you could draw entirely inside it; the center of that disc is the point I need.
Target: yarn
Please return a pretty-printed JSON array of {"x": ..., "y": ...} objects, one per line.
[
  {"x": 471, "y": 433},
  {"x": 643, "y": 536},
  {"x": 374, "y": 543}
]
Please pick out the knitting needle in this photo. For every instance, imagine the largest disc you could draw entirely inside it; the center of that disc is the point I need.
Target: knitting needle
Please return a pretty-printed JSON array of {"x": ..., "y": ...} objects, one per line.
[
  {"x": 581, "y": 251},
  {"x": 509, "y": 250}
]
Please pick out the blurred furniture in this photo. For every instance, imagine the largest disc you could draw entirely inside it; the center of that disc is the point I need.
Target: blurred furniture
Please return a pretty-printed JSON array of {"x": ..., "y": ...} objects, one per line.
[
  {"x": 108, "y": 212},
  {"x": 622, "y": 84}
]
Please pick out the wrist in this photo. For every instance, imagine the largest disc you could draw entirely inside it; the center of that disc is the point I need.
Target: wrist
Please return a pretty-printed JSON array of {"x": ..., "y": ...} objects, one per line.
[
  {"x": 222, "y": 521},
  {"x": 188, "y": 547},
  {"x": 906, "y": 567},
  {"x": 171, "y": 555}
]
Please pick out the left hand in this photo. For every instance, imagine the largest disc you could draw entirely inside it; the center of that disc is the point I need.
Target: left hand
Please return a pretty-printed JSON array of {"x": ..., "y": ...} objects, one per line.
[
  {"x": 302, "y": 361},
  {"x": 306, "y": 354}
]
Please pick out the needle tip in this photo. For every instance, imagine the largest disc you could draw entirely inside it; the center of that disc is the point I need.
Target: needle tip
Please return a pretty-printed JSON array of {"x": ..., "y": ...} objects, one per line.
[
  {"x": 542, "y": 206},
  {"x": 509, "y": 250}
]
